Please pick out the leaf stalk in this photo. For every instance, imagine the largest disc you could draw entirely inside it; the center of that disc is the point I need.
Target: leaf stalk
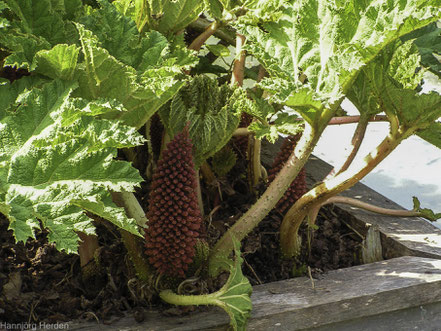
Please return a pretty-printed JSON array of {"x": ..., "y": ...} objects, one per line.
[{"x": 290, "y": 241}]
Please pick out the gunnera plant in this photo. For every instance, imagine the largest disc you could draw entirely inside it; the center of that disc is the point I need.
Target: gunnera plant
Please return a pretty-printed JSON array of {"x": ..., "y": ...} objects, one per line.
[{"x": 174, "y": 216}]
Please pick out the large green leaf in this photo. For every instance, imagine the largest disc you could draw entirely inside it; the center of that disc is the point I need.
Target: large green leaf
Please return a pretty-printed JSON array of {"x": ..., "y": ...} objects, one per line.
[
  {"x": 432, "y": 134},
  {"x": 37, "y": 25},
  {"x": 68, "y": 9},
  {"x": 59, "y": 62},
  {"x": 388, "y": 85},
  {"x": 255, "y": 11},
  {"x": 10, "y": 92},
  {"x": 103, "y": 76},
  {"x": 116, "y": 33},
  {"x": 4, "y": 23},
  {"x": 38, "y": 18},
  {"x": 23, "y": 48},
  {"x": 80, "y": 121},
  {"x": 167, "y": 17},
  {"x": 212, "y": 112},
  {"x": 265, "y": 113},
  {"x": 328, "y": 42},
  {"x": 57, "y": 181},
  {"x": 234, "y": 296},
  {"x": 397, "y": 64},
  {"x": 428, "y": 41}
]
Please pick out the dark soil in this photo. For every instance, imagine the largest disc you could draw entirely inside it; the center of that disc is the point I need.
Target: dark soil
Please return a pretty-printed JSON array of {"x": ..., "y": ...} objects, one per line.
[{"x": 41, "y": 284}]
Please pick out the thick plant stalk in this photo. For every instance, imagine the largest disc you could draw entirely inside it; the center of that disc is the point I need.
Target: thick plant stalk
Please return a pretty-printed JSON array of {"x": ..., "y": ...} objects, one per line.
[
  {"x": 254, "y": 165},
  {"x": 133, "y": 244},
  {"x": 225, "y": 33},
  {"x": 268, "y": 199},
  {"x": 135, "y": 250},
  {"x": 375, "y": 209},
  {"x": 355, "y": 119},
  {"x": 243, "y": 131},
  {"x": 207, "y": 173},
  {"x": 298, "y": 186},
  {"x": 357, "y": 139},
  {"x": 87, "y": 249},
  {"x": 186, "y": 300},
  {"x": 289, "y": 239},
  {"x": 239, "y": 62},
  {"x": 199, "y": 194},
  {"x": 254, "y": 145},
  {"x": 128, "y": 201},
  {"x": 239, "y": 132},
  {"x": 202, "y": 38}
]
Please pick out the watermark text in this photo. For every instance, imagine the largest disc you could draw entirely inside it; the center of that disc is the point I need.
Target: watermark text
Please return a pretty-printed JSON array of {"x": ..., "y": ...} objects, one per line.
[{"x": 23, "y": 326}]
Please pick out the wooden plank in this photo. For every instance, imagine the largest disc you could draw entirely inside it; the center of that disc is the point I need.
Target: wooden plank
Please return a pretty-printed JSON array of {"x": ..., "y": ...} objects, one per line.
[
  {"x": 424, "y": 318},
  {"x": 349, "y": 293},
  {"x": 338, "y": 296},
  {"x": 401, "y": 236}
]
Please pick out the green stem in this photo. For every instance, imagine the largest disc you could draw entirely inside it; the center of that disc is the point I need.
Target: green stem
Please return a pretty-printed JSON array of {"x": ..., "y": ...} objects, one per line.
[
  {"x": 135, "y": 250},
  {"x": 186, "y": 300},
  {"x": 133, "y": 243},
  {"x": 372, "y": 208},
  {"x": 268, "y": 199},
  {"x": 254, "y": 165},
  {"x": 87, "y": 247},
  {"x": 239, "y": 62},
  {"x": 338, "y": 120},
  {"x": 241, "y": 132},
  {"x": 294, "y": 217},
  {"x": 199, "y": 193},
  {"x": 225, "y": 33},
  {"x": 128, "y": 201},
  {"x": 151, "y": 164},
  {"x": 357, "y": 139},
  {"x": 202, "y": 38},
  {"x": 208, "y": 174}
]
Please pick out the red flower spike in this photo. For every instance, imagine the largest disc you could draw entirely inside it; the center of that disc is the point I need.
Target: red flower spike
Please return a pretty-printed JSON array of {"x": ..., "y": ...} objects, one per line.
[
  {"x": 170, "y": 244},
  {"x": 298, "y": 186}
]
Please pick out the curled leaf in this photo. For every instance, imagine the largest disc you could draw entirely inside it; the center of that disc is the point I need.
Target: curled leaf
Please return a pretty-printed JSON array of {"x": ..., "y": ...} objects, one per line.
[{"x": 425, "y": 212}]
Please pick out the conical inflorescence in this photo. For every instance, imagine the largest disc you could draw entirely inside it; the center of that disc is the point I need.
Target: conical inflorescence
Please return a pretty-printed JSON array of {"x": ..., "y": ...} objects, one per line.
[
  {"x": 298, "y": 186},
  {"x": 175, "y": 220}
]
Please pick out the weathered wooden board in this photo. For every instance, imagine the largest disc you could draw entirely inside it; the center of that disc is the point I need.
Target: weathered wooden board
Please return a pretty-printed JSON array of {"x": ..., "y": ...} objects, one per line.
[
  {"x": 423, "y": 318},
  {"x": 340, "y": 295},
  {"x": 401, "y": 236}
]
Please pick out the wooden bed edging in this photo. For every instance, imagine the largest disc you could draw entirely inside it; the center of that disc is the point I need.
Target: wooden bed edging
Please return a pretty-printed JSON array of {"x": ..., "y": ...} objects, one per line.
[{"x": 294, "y": 304}]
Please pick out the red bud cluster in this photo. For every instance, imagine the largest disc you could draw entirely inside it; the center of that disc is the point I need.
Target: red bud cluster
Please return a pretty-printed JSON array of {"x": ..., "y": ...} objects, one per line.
[
  {"x": 174, "y": 216},
  {"x": 298, "y": 186}
]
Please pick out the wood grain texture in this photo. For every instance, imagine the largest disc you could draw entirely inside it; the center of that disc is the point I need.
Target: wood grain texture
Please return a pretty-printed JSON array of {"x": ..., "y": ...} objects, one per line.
[{"x": 340, "y": 295}]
